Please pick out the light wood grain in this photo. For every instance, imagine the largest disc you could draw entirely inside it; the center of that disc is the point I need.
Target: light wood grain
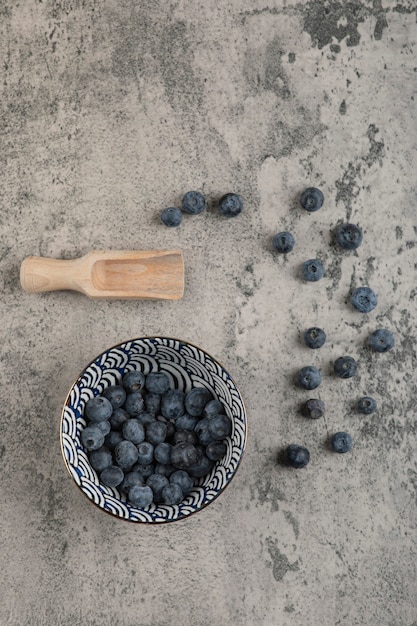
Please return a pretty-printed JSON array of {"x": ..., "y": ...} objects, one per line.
[{"x": 110, "y": 274}]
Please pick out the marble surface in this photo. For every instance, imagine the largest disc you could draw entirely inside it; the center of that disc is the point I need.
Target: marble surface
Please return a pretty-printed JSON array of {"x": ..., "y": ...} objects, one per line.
[{"x": 110, "y": 111}]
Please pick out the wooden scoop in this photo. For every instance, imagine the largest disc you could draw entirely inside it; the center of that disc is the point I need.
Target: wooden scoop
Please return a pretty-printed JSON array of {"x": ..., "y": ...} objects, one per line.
[{"x": 113, "y": 274}]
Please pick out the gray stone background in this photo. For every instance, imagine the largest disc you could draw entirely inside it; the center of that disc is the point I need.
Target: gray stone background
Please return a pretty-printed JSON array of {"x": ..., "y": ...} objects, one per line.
[{"x": 110, "y": 111}]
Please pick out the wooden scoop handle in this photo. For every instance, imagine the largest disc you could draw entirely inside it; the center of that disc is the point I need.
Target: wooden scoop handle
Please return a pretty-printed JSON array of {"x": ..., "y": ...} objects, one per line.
[{"x": 123, "y": 274}]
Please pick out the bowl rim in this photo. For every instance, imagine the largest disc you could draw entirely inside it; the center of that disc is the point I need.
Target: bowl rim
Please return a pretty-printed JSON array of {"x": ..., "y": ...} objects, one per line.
[{"x": 160, "y": 521}]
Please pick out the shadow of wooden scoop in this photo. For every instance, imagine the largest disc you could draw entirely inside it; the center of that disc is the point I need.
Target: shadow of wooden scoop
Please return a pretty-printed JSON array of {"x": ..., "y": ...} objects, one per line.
[{"x": 112, "y": 274}]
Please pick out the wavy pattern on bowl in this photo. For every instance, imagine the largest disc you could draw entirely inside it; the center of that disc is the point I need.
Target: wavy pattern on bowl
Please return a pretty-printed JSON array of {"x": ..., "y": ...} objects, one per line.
[{"x": 187, "y": 366}]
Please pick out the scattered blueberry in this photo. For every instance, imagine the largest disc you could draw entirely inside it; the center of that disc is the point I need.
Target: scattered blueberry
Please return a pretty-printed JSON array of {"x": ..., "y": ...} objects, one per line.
[
  {"x": 312, "y": 270},
  {"x": 98, "y": 409},
  {"x": 116, "y": 395},
  {"x": 313, "y": 408},
  {"x": 134, "y": 403},
  {"x": 230, "y": 205},
  {"x": 133, "y": 381},
  {"x": 183, "y": 479},
  {"x": 171, "y": 217},
  {"x": 297, "y": 456},
  {"x": 155, "y": 432},
  {"x": 309, "y": 377},
  {"x": 193, "y": 202},
  {"x": 172, "y": 494},
  {"x": 314, "y": 337},
  {"x": 345, "y": 367},
  {"x": 341, "y": 442},
  {"x": 367, "y": 405},
  {"x": 312, "y": 199},
  {"x": 196, "y": 400},
  {"x": 381, "y": 340},
  {"x": 283, "y": 242},
  {"x": 349, "y": 236},
  {"x": 146, "y": 453},
  {"x": 364, "y": 299},
  {"x": 172, "y": 404},
  {"x": 140, "y": 496},
  {"x": 100, "y": 459},
  {"x": 133, "y": 431},
  {"x": 92, "y": 438},
  {"x": 112, "y": 476},
  {"x": 118, "y": 418},
  {"x": 157, "y": 382},
  {"x": 214, "y": 407},
  {"x": 125, "y": 455}
]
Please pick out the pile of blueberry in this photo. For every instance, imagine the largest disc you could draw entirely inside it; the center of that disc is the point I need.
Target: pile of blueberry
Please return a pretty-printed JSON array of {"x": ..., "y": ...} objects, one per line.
[
  {"x": 363, "y": 299},
  {"x": 193, "y": 203},
  {"x": 152, "y": 442}
]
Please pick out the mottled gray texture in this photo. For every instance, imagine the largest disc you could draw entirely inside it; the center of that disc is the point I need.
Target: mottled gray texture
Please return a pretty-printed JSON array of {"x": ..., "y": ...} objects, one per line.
[{"x": 111, "y": 111}]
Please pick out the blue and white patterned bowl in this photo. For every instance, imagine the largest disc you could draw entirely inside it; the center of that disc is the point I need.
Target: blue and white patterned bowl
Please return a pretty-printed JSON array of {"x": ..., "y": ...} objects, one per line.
[{"x": 187, "y": 366}]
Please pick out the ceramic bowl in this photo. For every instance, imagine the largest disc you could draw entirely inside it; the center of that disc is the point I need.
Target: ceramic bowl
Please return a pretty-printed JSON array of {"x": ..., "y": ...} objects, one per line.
[{"x": 187, "y": 366}]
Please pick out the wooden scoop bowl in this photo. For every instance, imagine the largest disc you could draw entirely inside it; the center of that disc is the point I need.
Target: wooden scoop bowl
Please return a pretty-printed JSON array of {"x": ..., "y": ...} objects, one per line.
[{"x": 112, "y": 274}]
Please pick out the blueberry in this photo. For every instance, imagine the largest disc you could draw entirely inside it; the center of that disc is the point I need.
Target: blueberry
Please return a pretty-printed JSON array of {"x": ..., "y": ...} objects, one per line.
[
  {"x": 311, "y": 199},
  {"x": 157, "y": 382},
  {"x": 220, "y": 426},
  {"x": 162, "y": 452},
  {"x": 133, "y": 431},
  {"x": 297, "y": 456},
  {"x": 146, "y": 452},
  {"x": 345, "y": 367},
  {"x": 188, "y": 436},
  {"x": 145, "y": 418},
  {"x": 172, "y": 494},
  {"x": 314, "y": 337},
  {"x": 131, "y": 479},
  {"x": 201, "y": 467},
  {"x": 112, "y": 476},
  {"x": 349, "y": 236},
  {"x": 140, "y": 496},
  {"x": 116, "y": 395},
  {"x": 125, "y": 455},
  {"x": 312, "y": 270},
  {"x": 133, "y": 381},
  {"x": 341, "y": 442},
  {"x": 98, "y": 409},
  {"x": 283, "y": 242},
  {"x": 100, "y": 459},
  {"x": 145, "y": 470},
  {"x": 155, "y": 432},
  {"x": 230, "y": 205},
  {"x": 92, "y": 438},
  {"x": 104, "y": 426},
  {"x": 381, "y": 340},
  {"x": 202, "y": 429},
  {"x": 214, "y": 407},
  {"x": 196, "y": 400},
  {"x": 183, "y": 479},
  {"x": 171, "y": 428},
  {"x": 165, "y": 469},
  {"x": 157, "y": 482},
  {"x": 172, "y": 404},
  {"x": 193, "y": 202},
  {"x": 309, "y": 377},
  {"x": 112, "y": 439},
  {"x": 186, "y": 422},
  {"x": 367, "y": 405},
  {"x": 118, "y": 418},
  {"x": 134, "y": 403},
  {"x": 313, "y": 408},
  {"x": 152, "y": 402},
  {"x": 183, "y": 455},
  {"x": 364, "y": 299},
  {"x": 216, "y": 450},
  {"x": 171, "y": 217}
]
